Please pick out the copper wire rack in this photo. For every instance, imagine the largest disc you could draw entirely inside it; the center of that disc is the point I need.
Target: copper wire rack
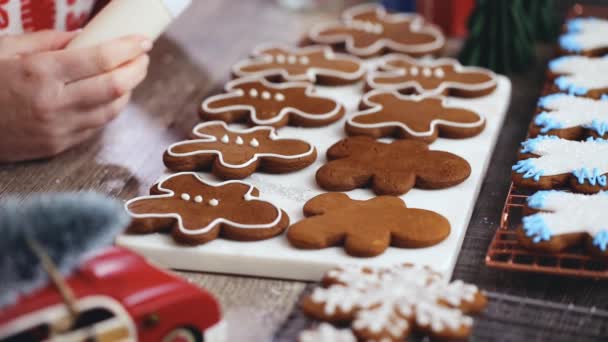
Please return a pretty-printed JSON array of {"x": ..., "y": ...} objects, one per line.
[{"x": 506, "y": 252}]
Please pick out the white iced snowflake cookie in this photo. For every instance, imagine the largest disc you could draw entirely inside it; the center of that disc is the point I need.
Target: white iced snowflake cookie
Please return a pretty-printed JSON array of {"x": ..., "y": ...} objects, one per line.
[
  {"x": 580, "y": 75},
  {"x": 550, "y": 162},
  {"x": 386, "y": 304},
  {"x": 587, "y": 36},
  {"x": 567, "y": 219},
  {"x": 571, "y": 117}
]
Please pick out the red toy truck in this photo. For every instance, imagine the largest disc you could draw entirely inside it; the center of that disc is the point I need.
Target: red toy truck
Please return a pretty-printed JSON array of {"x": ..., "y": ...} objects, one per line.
[{"x": 120, "y": 297}]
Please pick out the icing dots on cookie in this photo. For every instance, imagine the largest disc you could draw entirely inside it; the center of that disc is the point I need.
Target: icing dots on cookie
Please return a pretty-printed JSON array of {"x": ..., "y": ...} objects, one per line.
[
  {"x": 578, "y": 75},
  {"x": 236, "y": 153},
  {"x": 562, "y": 111},
  {"x": 585, "y": 34}
]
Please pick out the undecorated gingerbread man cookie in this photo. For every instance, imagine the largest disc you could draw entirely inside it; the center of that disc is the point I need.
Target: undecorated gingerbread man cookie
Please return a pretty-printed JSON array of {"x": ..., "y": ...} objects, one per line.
[
  {"x": 259, "y": 102},
  {"x": 234, "y": 154},
  {"x": 443, "y": 76},
  {"x": 571, "y": 117},
  {"x": 369, "y": 30},
  {"x": 585, "y": 36},
  {"x": 389, "y": 169},
  {"x": 580, "y": 75},
  {"x": 564, "y": 219},
  {"x": 197, "y": 212},
  {"x": 366, "y": 228},
  {"x": 315, "y": 64},
  {"x": 390, "y": 303},
  {"x": 388, "y": 113},
  {"x": 549, "y": 162}
]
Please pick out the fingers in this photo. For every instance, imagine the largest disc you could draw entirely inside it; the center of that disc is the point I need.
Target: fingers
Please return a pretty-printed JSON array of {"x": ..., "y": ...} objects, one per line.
[
  {"x": 107, "y": 87},
  {"x": 29, "y": 43},
  {"x": 99, "y": 117},
  {"x": 78, "y": 64}
]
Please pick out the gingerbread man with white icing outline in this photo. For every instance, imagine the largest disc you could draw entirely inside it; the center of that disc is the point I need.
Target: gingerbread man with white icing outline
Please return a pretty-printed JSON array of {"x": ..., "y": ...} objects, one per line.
[
  {"x": 561, "y": 220},
  {"x": 196, "y": 212},
  {"x": 259, "y": 102},
  {"x": 315, "y": 64},
  {"x": 443, "y": 76},
  {"x": 369, "y": 30},
  {"x": 389, "y": 113},
  {"x": 235, "y": 154}
]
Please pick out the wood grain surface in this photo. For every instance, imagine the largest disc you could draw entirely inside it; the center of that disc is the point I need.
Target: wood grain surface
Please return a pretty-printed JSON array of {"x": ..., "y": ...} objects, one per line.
[{"x": 192, "y": 61}]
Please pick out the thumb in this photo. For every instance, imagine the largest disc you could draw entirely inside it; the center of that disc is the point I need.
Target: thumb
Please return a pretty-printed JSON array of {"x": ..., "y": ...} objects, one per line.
[{"x": 40, "y": 41}]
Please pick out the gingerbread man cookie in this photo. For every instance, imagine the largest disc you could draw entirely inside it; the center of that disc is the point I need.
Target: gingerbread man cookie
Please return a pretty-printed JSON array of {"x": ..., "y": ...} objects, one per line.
[
  {"x": 197, "y": 212},
  {"x": 259, "y": 102},
  {"x": 368, "y": 30},
  {"x": 315, "y": 64},
  {"x": 366, "y": 228},
  {"x": 580, "y": 75},
  {"x": 235, "y": 154},
  {"x": 549, "y": 162},
  {"x": 388, "y": 113},
  {"x": 389, "y": 303},
  {"x": 561, "y": 220},
  {"x": 443, "y": 76},
  {"x": 571, "y": 117},
  {"x": 389, "y": 169},
  {"x": 585, "y": 36}
]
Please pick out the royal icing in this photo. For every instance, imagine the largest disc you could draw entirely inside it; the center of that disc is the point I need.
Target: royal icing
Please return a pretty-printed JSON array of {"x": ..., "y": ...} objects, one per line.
[
  {"x": 202, "y": 139},
  {"x": 379, "y": 27},
  {"x": 386, "y": 299},
  {"x": 410, "y": 104},
  {"x": 300, "y": 63},
  {"x": 586, "y": 160},
  {"x": 566, "y": 213},
  {"x": 585, "y": 34},
  {"x": 168, "y": 194},
  {"x": 327, "y": 333},
  {"x": 393, "y": 74},
  {"x": 580, "y": 74},
  {"x": 236, "y": 99},
  {"x": 566, "y": 111}
]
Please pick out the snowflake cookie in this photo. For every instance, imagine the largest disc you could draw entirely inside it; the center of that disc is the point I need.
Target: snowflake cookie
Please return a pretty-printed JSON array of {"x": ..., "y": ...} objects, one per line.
[
  {"x": 315, "y": 64},
  {"x": 366, "y": 228},
  {"x": 234, "y": 153},
  {"x": 259, "y": 102},
  {"x": 548, "y": 162},
  {"x": 585, "y": 36},
  {"x": 571, "y": 117},
  {"x": 564, "y": 219},
  {"x": 580, "y": 75},
  {"x": 443, "y": 76},
  {"x": 389, "y": 303},
  {"x": 197, "y": 212},
  {"x": 369, "y": 30},
  {"x": 388, "y": 113}
]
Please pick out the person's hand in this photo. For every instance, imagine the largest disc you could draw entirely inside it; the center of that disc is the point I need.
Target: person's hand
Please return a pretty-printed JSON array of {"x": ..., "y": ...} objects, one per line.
[{"x": 52, "y": 99}]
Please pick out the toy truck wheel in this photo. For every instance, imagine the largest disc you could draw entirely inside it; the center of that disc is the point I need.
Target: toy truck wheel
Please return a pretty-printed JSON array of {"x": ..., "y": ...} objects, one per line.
[{"x": 182, "y": 335}]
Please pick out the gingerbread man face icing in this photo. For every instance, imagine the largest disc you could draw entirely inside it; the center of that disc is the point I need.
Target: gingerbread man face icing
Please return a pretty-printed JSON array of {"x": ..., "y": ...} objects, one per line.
[
  {"x": 235, "y": 154},
  {"x": 366, "y": 228},
  {"x": 315, "y": 64},
  {"x": 197, "y": 212},
  {"x": 571, "y": 117},
  {"x": 389, "y": 169},
  {"x": 586, "y": 36},
  {"x": 261, "y": 103},
  {"x": 389, "y": 113},
  {"x": 548, "y": 162},
  {"x": 389, "y": 303},
  {"x": 579, "y": 75},
  {"x": 564, "y": 219},
  {"x": 368, "y": 30},
  {"x": 435, "y": 77}
]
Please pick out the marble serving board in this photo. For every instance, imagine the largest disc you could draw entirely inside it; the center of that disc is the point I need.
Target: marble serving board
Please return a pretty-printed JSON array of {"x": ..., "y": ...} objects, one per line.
[{"x": 277, "y": 259}]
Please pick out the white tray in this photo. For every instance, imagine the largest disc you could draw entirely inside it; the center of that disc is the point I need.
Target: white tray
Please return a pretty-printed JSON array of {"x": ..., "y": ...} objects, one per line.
[{"x": 277, "y": 259}]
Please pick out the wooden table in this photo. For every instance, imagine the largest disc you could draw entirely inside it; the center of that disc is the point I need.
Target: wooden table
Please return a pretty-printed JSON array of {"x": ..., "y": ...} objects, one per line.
[{"x": 193, "y": 61}]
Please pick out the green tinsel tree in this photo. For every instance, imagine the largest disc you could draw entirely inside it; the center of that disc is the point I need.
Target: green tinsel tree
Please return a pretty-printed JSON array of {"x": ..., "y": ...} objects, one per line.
[
  {"x": 543, "y": 19},
  {"x": 500, "y": 36}
]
